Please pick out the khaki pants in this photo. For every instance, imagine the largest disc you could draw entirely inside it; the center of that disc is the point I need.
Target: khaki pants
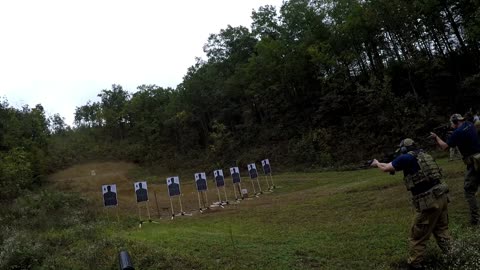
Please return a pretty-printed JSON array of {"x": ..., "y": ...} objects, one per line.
[
  {"x": 433, "y": 220},
  {"x": 472, "y": 180}
]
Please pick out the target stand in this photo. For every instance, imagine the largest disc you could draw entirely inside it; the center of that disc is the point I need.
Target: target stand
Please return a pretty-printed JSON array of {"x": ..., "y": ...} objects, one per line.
[
  {"x": 267, "y": 170},
  {"x": 271, "y": 179},
  {"x": 181, "y": 213},
  {"x": 259, "y": 186},
  {"x": 237, "y": 187},
  {"x": 109, "y": 193},
  {"x": 147, "y": 206},
  {"x": 148, "y": 214},
  {"x": 255, "y": 193},
  {"x": 270, "y": 187},
  {"x": 203, "y": 201},
  {"x": 221, "y": 202},
  {"x": 106, "y": 209}
]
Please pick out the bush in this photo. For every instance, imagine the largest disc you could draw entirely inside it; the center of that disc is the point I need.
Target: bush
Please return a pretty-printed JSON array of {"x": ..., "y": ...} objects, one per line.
[
  {"x": 53, "y": 230},
  {"x": 20, "y": 250},
  {"x": 15, "y": 173},
  {"x": 47, "y": 209},
  {"x": 465, "y": 252},
  {"x": 312, "y": 148}
]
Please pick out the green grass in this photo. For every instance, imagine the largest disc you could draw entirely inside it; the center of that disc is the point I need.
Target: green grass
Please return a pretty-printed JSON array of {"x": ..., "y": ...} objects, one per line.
[{"x": 329, "y": 220}]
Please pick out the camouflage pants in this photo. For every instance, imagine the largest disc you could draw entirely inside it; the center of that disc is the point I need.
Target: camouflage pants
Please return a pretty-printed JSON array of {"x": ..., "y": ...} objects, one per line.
[
  {"x": 433, "y": 220},
  {"x": 454, "y": 153},
  {"x": 472, "y": 180}
]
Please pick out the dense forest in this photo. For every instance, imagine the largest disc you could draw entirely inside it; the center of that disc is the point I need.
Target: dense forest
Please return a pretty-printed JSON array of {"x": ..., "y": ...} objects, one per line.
[
  {"x": 311, "y": 84},
  {"x": 316, "y": 83}
]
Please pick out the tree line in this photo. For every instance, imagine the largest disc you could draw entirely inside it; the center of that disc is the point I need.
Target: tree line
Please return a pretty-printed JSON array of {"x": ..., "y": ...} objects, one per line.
[
  {"x": 315, "y": 83},
  {"x": 23, "y": 149}
]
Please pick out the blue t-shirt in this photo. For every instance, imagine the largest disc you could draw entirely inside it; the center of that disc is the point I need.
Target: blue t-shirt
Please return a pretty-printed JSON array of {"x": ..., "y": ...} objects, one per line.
[
  {"x": 406, "y": 163},
  {"x": 465, "y": 137},
  {"x": 409, "y": 165}
]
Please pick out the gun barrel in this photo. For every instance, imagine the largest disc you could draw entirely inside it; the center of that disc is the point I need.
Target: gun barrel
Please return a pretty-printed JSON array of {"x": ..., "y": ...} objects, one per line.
[
  {"x": 366, "y": 164},
  {"x": 443, "y": 131},
  {"x": 124, "y": 261}
]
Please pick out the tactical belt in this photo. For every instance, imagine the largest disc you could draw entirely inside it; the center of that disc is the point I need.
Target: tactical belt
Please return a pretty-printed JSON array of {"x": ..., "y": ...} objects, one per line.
[
  {"x": 427, "y": 200},
  {"x": 424, "y": 187},
  {"x": 473, "y": 161}
]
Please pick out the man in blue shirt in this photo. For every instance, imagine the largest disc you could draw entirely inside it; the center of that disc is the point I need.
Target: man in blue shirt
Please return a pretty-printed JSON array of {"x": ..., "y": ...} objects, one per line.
[
  {"x": 423, "y": 179},
  {"x": 465, "y": 137}
]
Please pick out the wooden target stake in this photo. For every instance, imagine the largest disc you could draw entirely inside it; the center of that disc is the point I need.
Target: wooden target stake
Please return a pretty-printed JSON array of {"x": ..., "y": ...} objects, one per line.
[
  {"x": 206, "y": 200},
  {"x": 202, "y": 196},
  {"x": 271, "y": 178},
  {"x": 199, "y": 201},
  {"x": 259, "y": 186},
  {"x": 139, "y": 213},
  {"x": 118, "y": 216},
  {"x": 181, "y": 206},
  {"x": 218, "y": 193},
  {"x": 148, "y": 211},
  {"x": 239, "y": 186},
  {"x": 171, "y": 206},
  {"x": 253, "y": 185},
  {"x": 225, "y": 191},
  {"x": 268, "y": 184},
  {"x": 235, "y": 190}
]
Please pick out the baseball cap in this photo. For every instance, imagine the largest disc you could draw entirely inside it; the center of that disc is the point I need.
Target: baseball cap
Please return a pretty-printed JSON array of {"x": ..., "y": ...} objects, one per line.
[
  {"x": 456, "y": 117},
  {"x": 406, "y": 142}
]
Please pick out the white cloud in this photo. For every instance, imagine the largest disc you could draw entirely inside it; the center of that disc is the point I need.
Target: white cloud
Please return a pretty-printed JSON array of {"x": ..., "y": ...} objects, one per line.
[{"x": 62, "y": 53}]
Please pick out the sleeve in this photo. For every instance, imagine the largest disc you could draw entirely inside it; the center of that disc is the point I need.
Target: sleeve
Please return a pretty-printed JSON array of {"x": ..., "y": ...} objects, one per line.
[
  {"x": 399, "y": 162},
  {"x": 452, "y": 140}
]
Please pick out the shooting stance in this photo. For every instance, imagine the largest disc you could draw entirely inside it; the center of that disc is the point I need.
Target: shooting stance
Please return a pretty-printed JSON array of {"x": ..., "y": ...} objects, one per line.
[
  {"x": 465, "y": 137},
  {"x": 423, "y": 179}
]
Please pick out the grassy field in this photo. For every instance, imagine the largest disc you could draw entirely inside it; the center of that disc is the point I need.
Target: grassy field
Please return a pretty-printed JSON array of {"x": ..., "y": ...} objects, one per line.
[{"x": 329, "y": 220}]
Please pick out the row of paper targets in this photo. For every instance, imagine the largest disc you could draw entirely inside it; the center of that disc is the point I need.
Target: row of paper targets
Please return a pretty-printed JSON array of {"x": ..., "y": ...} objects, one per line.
[{"x": 173, "y": 183}]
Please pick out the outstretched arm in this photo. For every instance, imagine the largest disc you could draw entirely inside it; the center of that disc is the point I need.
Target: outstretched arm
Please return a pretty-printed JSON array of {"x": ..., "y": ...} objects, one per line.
[
  {"x": 384, "y": 167},
  {"x": 439, "y": 141}
]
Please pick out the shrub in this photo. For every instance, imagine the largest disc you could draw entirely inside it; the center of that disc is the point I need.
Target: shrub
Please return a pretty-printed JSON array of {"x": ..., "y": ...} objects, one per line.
[{"x": 15, "y": 173}]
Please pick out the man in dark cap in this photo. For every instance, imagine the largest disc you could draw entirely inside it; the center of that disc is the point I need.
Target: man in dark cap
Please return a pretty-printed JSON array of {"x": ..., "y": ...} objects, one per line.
[
  {"x": 465, "y": 137},
  {"x": 422, "y": 177}
]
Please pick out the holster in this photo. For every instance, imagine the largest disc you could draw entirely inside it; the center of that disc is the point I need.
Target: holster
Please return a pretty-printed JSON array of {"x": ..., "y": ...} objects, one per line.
[
  {"x": 427, "y": 199},
  {"x": 473, "y": 160}
]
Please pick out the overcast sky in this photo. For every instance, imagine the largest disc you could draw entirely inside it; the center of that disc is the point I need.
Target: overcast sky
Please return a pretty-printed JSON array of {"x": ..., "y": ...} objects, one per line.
[{"x": 63, "y": 53}]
